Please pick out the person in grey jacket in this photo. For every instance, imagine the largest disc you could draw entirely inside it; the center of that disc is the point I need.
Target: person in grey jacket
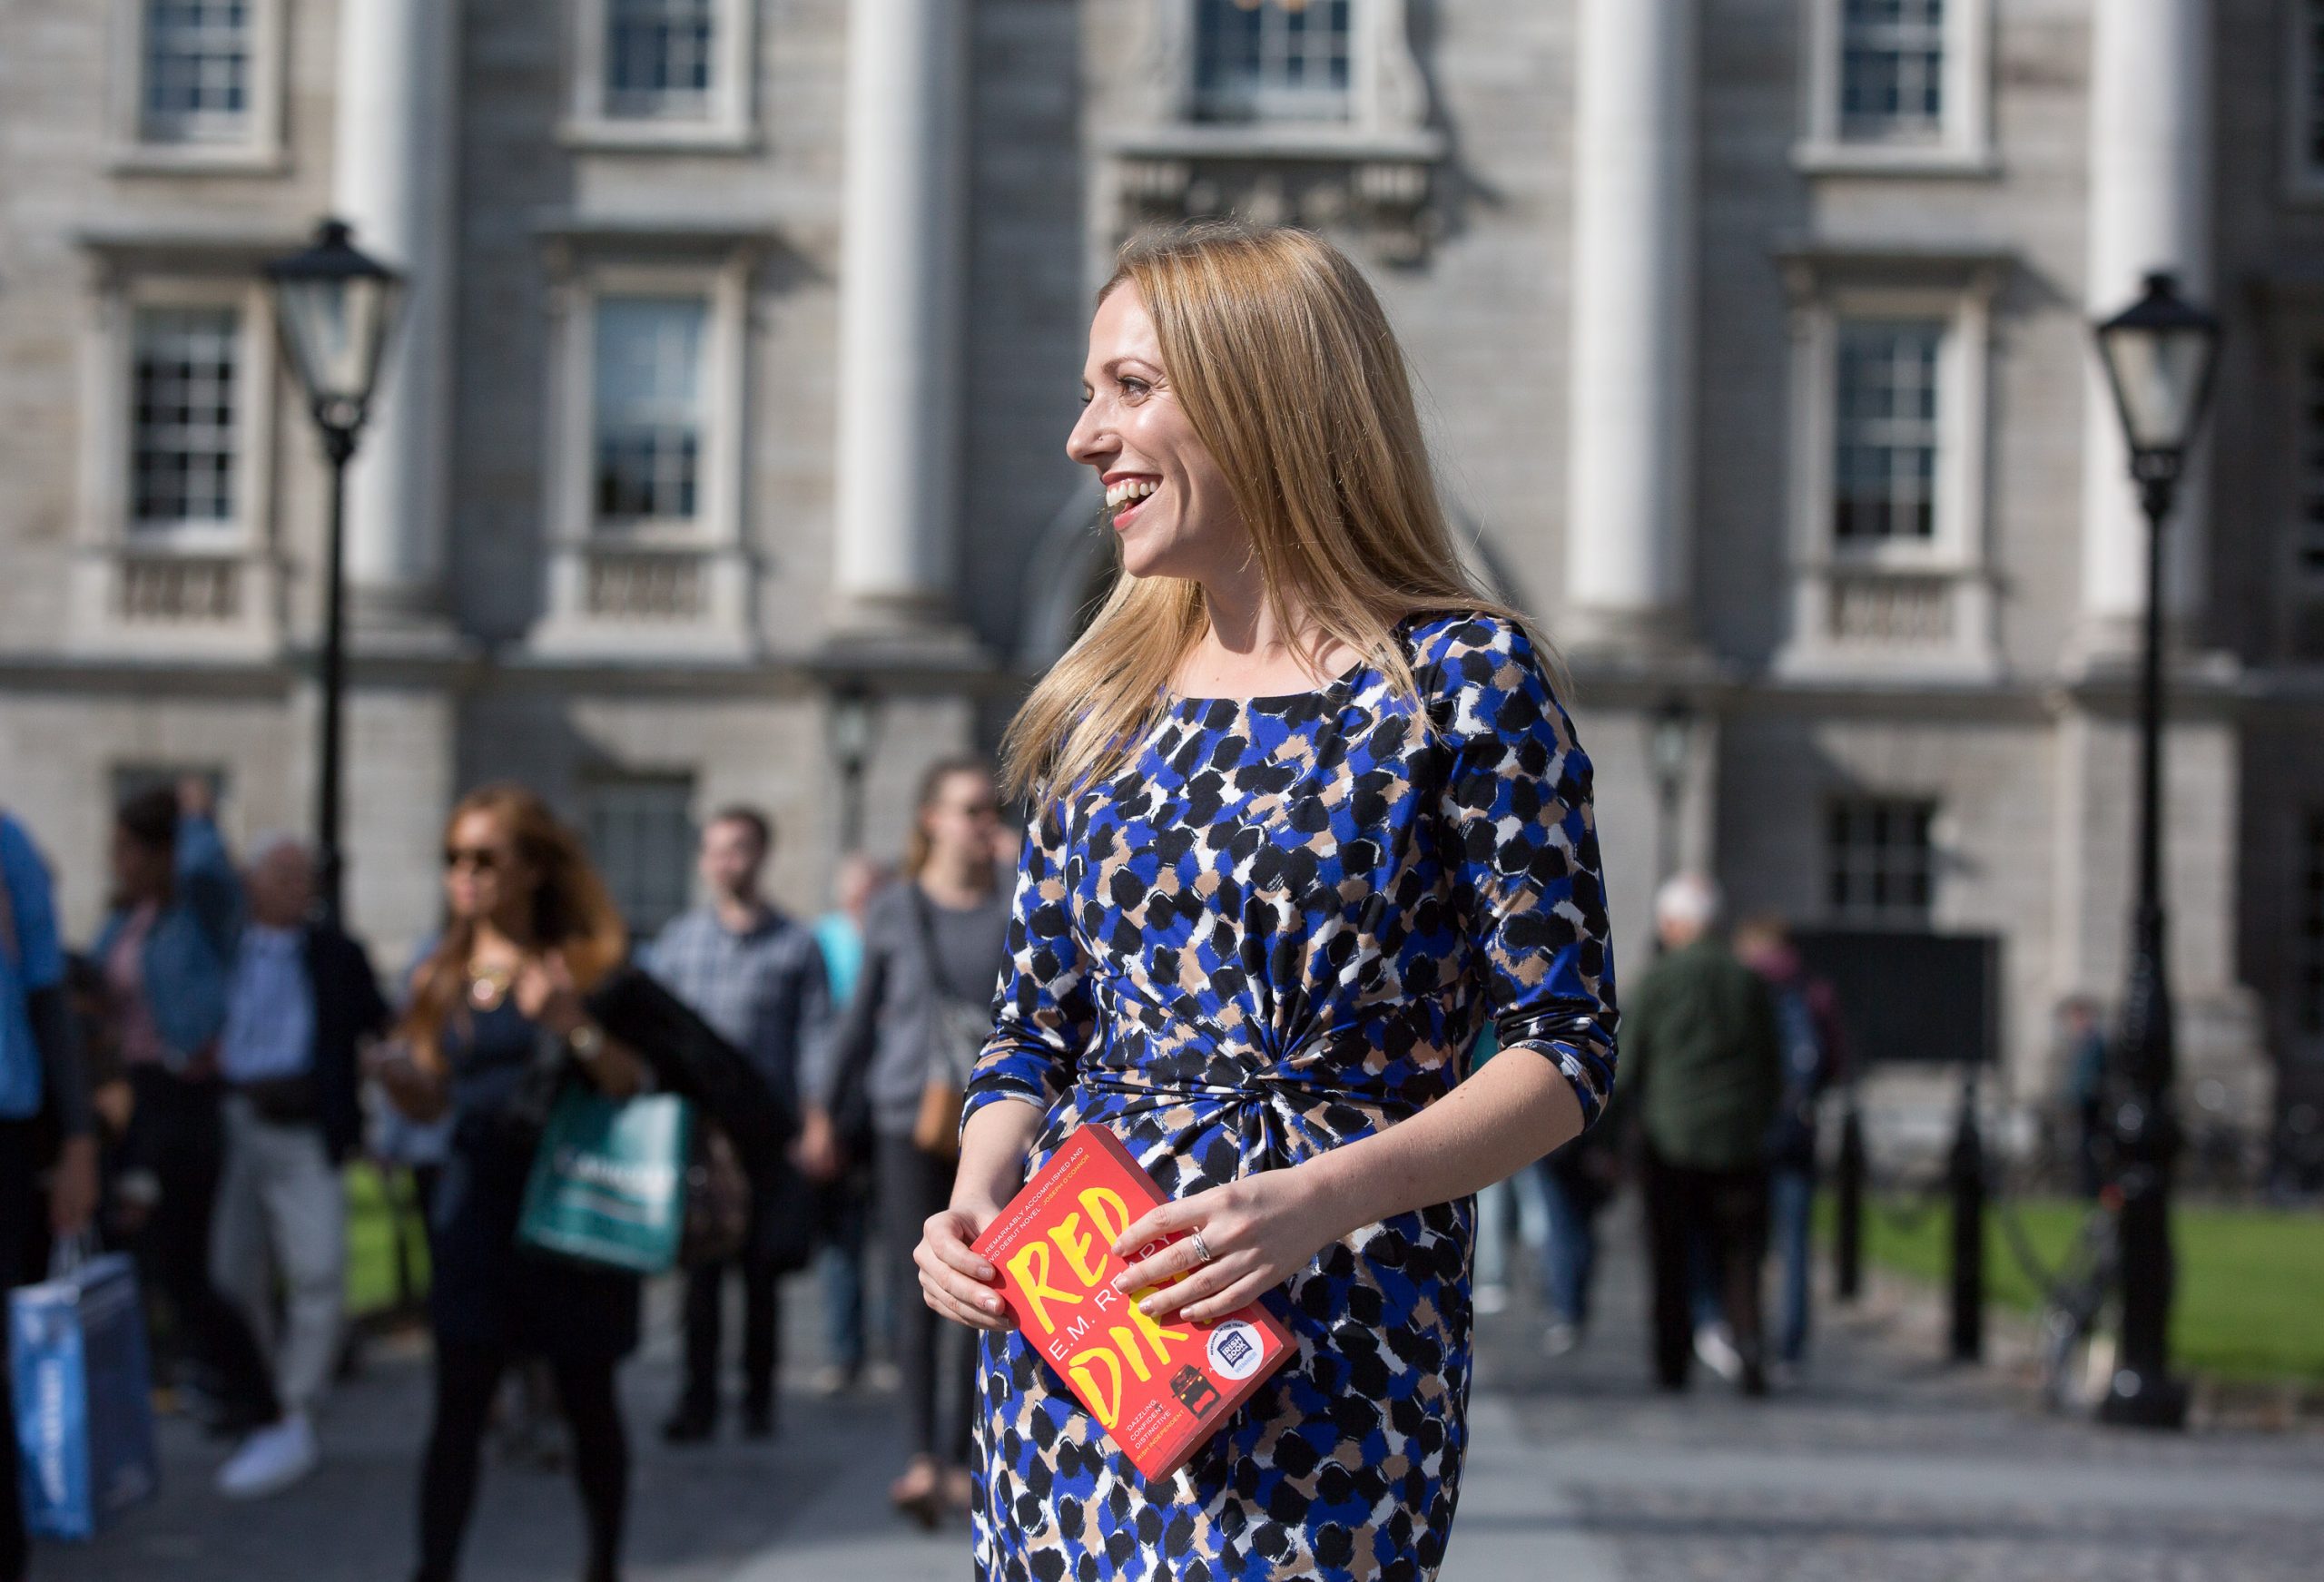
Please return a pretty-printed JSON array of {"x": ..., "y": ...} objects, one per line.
[
  {"x": 932, "y": 954},
  {"x": 756, "y": 977}
]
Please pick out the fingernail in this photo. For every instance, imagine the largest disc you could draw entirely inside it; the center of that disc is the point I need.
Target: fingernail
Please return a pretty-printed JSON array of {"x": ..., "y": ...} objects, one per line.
[{"x": 992, "y": 1304}]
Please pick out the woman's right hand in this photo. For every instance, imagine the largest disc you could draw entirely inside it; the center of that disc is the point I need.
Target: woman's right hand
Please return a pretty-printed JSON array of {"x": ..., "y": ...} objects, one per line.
[
  {"x": 412, "y": 1090},
  {"x": 957, "y": 1283}
]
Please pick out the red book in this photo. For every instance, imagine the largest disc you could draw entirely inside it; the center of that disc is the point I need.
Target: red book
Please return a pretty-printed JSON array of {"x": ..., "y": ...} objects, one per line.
[{"x": 1159, "y": 1388}]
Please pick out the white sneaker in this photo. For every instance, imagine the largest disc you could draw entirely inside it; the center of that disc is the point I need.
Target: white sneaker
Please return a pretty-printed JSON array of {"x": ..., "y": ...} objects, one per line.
[
  {"x": 1492, "y": 1298},
  {"x": 1717, "y": 1351},
  {"x": 271, "y": 1461}
]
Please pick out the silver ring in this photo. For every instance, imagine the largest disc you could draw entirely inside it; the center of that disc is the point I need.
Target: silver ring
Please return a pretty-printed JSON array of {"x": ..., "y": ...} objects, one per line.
[{"x": 1201, "y": 1248}]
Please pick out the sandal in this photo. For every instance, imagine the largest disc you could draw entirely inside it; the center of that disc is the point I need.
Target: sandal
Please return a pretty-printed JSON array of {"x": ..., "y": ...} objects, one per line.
[{"x": 917, "y": 1495}]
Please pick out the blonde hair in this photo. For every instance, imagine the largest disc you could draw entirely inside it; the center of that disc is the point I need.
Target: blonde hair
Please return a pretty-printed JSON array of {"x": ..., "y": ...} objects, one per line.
[
  {"x": 1284, "y": 364},
  {"x": 572, "y": 913}
]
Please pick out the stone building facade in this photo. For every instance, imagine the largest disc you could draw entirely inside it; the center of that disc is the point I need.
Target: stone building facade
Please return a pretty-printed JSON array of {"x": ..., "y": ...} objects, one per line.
[{"x": 744, "y": 337}]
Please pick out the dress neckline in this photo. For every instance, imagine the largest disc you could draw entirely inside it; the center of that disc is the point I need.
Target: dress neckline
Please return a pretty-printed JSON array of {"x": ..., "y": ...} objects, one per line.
[{"x": 1346, "y": 678}]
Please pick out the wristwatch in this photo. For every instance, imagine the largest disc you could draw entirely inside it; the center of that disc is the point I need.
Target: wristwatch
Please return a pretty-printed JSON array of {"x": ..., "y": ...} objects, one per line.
[{"x": 586, "y": 1041}]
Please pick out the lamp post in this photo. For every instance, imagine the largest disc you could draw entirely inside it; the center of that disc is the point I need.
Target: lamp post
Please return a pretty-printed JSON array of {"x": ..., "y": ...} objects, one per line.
[
  {"x": 1668, "y": 741},
  {"x": 2160, "y": 354},
  {"x": 853, "y": 722},
  {"x": 334, "y": 308}
]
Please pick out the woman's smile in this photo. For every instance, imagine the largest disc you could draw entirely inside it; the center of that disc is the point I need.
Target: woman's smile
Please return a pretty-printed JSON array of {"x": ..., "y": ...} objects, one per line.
[{"x": 1126, "y": 494}]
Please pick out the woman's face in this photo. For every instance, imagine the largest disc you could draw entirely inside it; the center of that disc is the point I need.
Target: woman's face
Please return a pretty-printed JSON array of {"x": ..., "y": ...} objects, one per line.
[
  {"x": 963, "y": 820},
  {"x": 1168, "y": 501},
  {"x": 482, "y": 877}
]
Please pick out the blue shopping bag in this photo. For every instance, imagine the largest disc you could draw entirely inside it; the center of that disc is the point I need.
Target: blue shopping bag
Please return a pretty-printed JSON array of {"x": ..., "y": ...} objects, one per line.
[
  {"x": 84, "y": 1418},
  {"x": 608, "y": 1181}
]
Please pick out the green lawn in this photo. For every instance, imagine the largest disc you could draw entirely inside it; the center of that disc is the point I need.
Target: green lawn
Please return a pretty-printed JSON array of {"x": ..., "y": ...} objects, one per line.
[
  {"x": 2251, "y": 1298},
  {"x": 371, "y": 1243}
]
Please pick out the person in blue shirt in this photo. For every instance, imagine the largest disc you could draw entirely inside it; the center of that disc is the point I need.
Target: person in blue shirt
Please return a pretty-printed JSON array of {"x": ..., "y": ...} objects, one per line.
[
  {"x": 167, "y": 954},
  {"x": 40, "y": 1075},
  {"x": 843, "y": 1204}
]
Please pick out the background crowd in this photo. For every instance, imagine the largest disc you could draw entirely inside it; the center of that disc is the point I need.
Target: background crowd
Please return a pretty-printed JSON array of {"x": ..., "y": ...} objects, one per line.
[{"x": 190, "y": 1088}]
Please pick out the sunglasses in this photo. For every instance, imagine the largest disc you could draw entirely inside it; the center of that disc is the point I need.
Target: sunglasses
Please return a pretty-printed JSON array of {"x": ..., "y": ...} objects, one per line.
[{"x": 482, "y": 859}]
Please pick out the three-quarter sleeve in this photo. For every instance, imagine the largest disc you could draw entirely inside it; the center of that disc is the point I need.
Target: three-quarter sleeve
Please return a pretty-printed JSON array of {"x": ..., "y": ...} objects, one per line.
[
  {"x": 1043, "y": 1014},
  {"x": 1521, "y": 842}
]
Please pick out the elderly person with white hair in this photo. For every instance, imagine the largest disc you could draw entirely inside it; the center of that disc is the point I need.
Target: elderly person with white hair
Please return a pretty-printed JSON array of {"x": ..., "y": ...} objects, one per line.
[
  {"x": 1700, "y": 1074},
  {"x": 302, "y": 999}
]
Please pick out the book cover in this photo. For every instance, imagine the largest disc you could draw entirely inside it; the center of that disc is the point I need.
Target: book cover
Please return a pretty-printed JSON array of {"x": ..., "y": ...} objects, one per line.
[{"x": 1159, "y": 1388}]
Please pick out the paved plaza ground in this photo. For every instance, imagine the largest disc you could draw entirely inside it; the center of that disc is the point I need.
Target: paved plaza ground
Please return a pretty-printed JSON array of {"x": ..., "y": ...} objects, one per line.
[{"x": 1882, "y": 1467}]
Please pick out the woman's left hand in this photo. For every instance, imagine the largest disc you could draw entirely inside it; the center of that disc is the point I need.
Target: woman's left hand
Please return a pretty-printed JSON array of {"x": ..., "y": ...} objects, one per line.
[{"x": 1260, "y": 1231}]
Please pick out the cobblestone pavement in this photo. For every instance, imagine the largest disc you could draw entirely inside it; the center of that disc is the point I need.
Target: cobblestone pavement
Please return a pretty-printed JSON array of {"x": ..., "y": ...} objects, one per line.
[{"x": 1881, "y": 1467}]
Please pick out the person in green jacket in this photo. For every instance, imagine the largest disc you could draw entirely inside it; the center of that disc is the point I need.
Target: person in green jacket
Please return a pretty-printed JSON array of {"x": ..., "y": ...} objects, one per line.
[{"x": 1700, "y": 1076}]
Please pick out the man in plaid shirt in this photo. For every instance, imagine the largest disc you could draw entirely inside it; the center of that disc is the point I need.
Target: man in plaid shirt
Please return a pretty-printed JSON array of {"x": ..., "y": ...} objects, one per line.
[{"x": 758, "y": 979}]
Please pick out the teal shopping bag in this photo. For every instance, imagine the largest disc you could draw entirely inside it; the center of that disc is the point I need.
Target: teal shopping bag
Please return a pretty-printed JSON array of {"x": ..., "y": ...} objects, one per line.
[{"x": 608, "y": 1181}]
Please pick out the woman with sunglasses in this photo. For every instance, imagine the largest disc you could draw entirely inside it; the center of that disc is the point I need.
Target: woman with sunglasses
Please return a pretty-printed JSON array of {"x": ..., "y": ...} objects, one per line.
[{"x": 529, "y": 927}]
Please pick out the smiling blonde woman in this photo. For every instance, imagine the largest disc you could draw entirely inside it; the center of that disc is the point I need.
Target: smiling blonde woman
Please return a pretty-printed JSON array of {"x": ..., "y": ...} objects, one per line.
[{"x": 1308, "y": 817}]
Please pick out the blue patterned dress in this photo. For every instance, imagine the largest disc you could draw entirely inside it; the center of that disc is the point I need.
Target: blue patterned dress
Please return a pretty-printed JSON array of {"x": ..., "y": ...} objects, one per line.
[{"x": 1268, "y": 936}]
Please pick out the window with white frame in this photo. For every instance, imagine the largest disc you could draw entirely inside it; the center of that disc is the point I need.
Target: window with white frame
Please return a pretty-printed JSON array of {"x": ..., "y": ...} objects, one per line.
[
  {"x": 184, "y": 391},
  {"x": 2307, "y": 931},
  {"x": 1898, "y": 87},
  {"x": 1273, "y": 60},
  {"x": 1887, "y": 494},
  {"x": 1887, "y": 430},
  {"x": 641, "y": 832},
  {"x": 198, "y": 71},
  {"x": 653, "y": 75},
  {"x": 1892, "y": 71},
  {"x": 1880, "y": 861},
  {"x": 650, "y": 409},
  {"x": 661, "y": 58}
]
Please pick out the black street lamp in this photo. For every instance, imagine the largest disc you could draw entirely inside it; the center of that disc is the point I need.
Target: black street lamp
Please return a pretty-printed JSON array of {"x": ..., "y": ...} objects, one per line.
[
  {"x": 2160, "y": 355},
  {"x": 853, "y": 722},
  {"x": 1667, "y": 741},
  {"x": 334, "y": 309}
]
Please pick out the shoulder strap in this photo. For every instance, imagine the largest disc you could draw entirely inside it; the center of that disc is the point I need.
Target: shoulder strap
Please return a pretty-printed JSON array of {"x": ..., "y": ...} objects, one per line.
[{"x": 924, "y": 924}]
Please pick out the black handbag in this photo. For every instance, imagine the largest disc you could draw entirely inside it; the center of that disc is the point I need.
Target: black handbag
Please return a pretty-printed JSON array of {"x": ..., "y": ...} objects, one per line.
[{"x": 688, "y": 1056}]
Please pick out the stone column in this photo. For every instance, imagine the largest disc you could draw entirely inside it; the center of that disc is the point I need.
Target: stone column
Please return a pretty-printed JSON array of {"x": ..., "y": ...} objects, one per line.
[
  {"x": 2149, "y": 209},
  {"x": 901, "y": 267},
  {"x": 1631, "y": 459},
  {"x": 393, "y": 179}
]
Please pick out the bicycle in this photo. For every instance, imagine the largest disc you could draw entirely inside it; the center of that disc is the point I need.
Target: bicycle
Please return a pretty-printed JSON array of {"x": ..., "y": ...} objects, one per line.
[{"x": 2077, "y": 1344}]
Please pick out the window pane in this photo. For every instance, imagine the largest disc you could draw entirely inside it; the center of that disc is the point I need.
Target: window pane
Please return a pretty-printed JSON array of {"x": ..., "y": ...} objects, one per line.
[
  {"x": 641, "y": 834},
  {"x": 1879, "y": 861},
  {"x": 649, "y": 407},
  {"x": 197, "y": 71},
  {"x": 2310, "y": 547},
  {"x": 1884, "y": 471},
  {"x": 182, "y": 427},
  {"x": 658, "y": 57},
  {"x": 1272, "y": 60},
  {"x": 1891, "y": 69}
]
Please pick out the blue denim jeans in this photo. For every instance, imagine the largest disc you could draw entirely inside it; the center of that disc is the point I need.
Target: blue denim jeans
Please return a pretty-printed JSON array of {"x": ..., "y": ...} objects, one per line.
[
  {"x": 1791, "y": 1202},
  {"x": 1573, "y": 1251}
]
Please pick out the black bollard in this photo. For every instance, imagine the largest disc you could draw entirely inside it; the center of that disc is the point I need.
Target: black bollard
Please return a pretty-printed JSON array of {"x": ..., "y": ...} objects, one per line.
[
  {"x": 1967, "y": 1173},
  {"x": 1847, "y": 1204}
]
